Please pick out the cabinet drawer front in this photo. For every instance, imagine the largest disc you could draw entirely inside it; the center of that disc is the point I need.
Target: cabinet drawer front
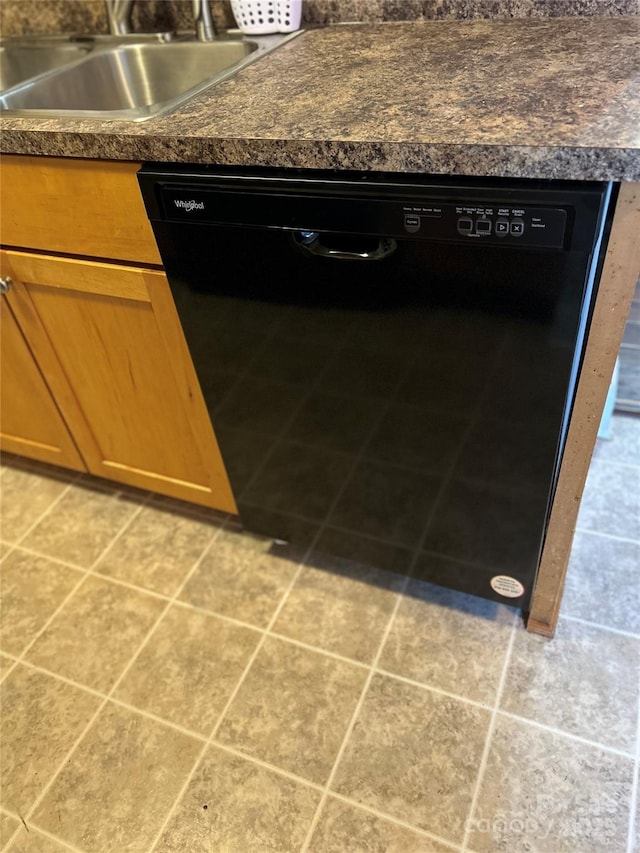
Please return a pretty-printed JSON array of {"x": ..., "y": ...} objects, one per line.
[{"x": 78, "y": 207}]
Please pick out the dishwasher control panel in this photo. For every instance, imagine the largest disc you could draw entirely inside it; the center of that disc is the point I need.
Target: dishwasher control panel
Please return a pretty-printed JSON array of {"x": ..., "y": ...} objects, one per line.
[
  {"x": 496, "y": 223},
  {"x": 409, "y": 215}
]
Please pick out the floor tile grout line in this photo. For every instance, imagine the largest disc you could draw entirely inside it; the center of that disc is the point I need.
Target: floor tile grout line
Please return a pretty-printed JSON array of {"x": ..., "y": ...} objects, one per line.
[
  {"x": 562, "y": 733},
  {"x": 400, "y": 595},
  {"x": 272, "y": 768},
  {"x": 6, "y": 846},
  {"x": 33, "y": 552},
  {"x": 92, "y": 720},
  {"x": 10, "y": 548},
  {"x": 14, "y": 663},
  {"x": 179, "y": 796},
  {"x": 489, "y": 738},
  {"x": 317, "y": 650},
  {"x": 211, "y": 739},
  {"x": 57, "y": 677},
  {"x": 634, "y": 813},
  {"x": 60, "y": 842},
  {"x": 395, "y": 820},
  {"x": 142, "y": 501},
  {"x": 391, "y": 674},
  {"x": 46, "y": 512},
  {"x": 20, "y": 659},
  {"x": 423, "y": 685},
  {"x": 388, "y": 674},
  {"x": 62, "y": 764},
  {"x": 117, "y": 536},
  {"x": 121, "y": 677},
  {"x": 55, "y": 613},
  {"x": 92, "y": 691},
  {"x": 602, "y": 535},
  {"x": 261, "y": 642},
  {"x": 204, "y": 611},
  {"x": 279, "y": 636},
  {"x": 263, "y": 639},
  {"x": 300, "y": 780},
  {"x": 85, "y": 574},
  {"x": 416, "y": 551},
  {"x": 354, "y": 716},
  {"x": 94, "y": 572},
  {"x": 620, "y": 631},
  {"x": 170, "y": 601}
]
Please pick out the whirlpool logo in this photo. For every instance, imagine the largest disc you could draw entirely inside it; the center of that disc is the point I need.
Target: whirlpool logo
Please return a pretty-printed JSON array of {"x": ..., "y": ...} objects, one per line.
[{"x": 189, "y": 205}]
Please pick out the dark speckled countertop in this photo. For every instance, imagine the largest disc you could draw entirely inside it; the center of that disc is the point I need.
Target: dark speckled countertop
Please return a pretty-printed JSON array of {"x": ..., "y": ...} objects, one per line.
[{"x": 551, "y": 98}]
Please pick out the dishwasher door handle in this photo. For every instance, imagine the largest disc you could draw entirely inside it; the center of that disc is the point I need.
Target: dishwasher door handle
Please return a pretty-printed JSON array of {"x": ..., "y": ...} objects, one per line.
[{"x": 311, "y": 243}]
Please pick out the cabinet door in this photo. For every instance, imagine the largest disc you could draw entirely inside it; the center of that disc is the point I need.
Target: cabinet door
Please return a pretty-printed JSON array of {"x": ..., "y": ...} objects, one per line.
[
  {"x": 126, "y": 387},
  {"x": 30, "y": 422}
]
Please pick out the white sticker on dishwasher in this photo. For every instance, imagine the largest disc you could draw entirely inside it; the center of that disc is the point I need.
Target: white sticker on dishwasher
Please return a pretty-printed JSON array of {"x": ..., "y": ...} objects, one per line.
[{"x": 507, "y": 586}]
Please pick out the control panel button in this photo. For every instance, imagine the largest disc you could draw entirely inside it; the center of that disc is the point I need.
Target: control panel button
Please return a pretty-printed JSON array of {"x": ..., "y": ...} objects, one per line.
[
  {"x": 502, "y": 227},
  {"x": 411, "y": 223},
  {"x": 465, "y": 225},
  {"x": 517, "y": 227},
  {"x": 483, "y": 226}
]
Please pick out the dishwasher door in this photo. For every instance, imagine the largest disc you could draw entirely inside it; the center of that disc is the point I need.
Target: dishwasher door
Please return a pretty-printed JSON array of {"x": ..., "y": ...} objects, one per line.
[{"x": 387, "y": 393}]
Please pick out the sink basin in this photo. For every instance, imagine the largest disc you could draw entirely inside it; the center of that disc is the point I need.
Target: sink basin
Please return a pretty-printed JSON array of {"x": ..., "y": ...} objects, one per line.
[
  {"x": 20, "y": 62},
  {"x": 134, "y": 81}
]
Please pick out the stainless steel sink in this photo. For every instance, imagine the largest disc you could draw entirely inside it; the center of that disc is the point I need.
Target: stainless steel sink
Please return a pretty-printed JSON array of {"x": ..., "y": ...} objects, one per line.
[
  {"x": 20, "y": 62},
  {"x": 134, "y": 81}
]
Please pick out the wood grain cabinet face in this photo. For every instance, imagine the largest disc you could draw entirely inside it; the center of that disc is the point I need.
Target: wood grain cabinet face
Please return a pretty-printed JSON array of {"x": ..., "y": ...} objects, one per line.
[
  {"x": 96, "y": 373},
  {"x": 75, "y": 207},
  {"x": 30, "y": 421},
  {"x": 110, "y": 347}
]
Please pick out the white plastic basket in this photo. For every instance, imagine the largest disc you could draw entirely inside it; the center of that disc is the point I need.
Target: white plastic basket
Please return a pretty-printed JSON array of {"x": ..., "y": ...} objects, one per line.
[{"x": 259, "y": 17}]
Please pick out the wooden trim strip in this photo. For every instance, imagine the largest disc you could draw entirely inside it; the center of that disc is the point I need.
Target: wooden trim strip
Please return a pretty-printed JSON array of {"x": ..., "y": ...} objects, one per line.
[{"x": 619, "y": 277}]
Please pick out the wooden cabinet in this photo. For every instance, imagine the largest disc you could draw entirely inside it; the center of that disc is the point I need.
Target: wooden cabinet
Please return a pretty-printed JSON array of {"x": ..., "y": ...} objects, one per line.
[
  {"x": 109, "y": 382},
  {"x": 30, "y": 421},
  {"x": 75, "y": 207}
]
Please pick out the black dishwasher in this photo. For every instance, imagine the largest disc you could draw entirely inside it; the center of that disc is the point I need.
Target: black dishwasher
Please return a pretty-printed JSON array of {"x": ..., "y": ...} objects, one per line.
[{"x": 389, "y": 361}]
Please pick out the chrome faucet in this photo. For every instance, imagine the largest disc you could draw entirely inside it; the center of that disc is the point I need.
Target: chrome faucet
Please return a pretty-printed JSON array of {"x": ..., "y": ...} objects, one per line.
[
  {"x": 205, "y": 28},
  {"x": 119, "y": 16}
]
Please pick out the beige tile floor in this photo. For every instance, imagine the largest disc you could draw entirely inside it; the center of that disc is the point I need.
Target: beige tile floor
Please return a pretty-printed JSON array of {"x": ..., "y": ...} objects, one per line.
[{"x": 171, "y": 684}]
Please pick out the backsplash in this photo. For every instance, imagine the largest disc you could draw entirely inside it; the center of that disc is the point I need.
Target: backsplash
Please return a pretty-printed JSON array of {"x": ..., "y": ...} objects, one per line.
[
  {"x": 19, "y": 17},
  {"x": 342, "y": 11}
]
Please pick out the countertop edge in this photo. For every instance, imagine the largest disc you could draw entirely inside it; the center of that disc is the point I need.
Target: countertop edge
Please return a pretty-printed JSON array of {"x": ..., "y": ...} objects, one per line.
[{"x": 495, "y": 160}]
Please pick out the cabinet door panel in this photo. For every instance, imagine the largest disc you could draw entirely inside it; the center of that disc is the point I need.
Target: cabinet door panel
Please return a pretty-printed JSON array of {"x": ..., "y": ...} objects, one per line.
[
  {"x": 30, "y": 422},
  {"x": 134, "y": 417}
]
